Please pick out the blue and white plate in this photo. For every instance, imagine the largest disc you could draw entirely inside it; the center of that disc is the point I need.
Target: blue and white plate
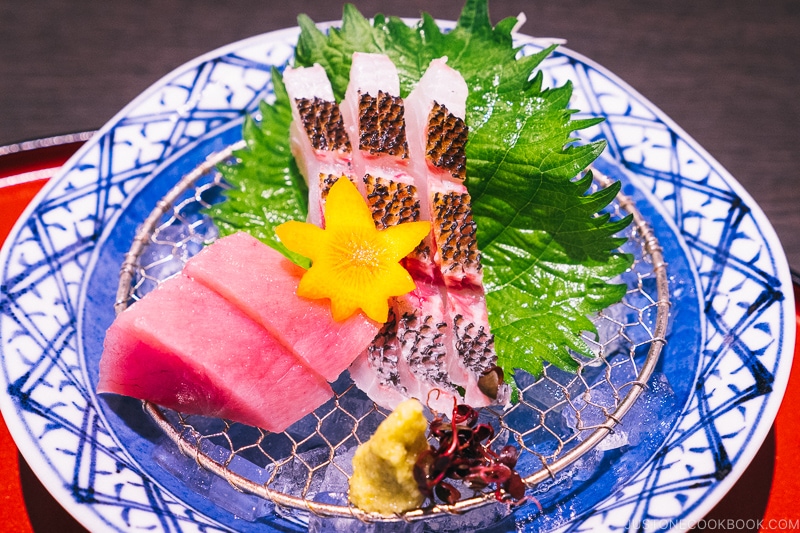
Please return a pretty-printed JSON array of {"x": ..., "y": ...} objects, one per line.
[{"x": 727, "y": 360}]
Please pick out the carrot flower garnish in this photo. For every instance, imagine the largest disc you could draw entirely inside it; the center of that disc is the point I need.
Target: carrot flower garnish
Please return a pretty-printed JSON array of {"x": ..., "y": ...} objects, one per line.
[{"x": 353, "y": 263}]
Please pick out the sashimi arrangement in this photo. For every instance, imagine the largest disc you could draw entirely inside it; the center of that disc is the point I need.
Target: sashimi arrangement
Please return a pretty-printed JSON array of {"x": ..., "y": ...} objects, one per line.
[{"x": 411, "y": 209}]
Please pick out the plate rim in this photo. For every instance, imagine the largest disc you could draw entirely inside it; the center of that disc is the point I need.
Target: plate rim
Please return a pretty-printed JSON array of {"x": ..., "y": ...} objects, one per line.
[
  {"x": 770, "y": 410},
  {"x": 773, "y": 403}
]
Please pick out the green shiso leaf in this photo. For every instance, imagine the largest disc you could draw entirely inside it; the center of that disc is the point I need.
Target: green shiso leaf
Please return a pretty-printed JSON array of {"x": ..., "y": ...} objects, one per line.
[
  {"x": 267, "y": 187},
  {"x": 548, "y": 252}
]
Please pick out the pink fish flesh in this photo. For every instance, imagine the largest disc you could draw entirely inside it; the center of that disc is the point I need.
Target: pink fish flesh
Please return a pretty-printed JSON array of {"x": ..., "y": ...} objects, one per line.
[
  {"x": 185, "y": 347},
  {"x": 262, "y": 283}
]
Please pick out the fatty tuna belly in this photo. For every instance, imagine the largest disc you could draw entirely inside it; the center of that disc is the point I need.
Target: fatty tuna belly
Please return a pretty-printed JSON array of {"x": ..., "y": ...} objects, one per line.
[
  {"x": 184, "y": 347},
  {"x": 262, "y": 283}
]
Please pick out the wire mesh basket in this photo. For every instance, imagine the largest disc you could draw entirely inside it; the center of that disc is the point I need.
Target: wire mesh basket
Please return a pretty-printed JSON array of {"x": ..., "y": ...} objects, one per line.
[{"x": 559, "y": 417}]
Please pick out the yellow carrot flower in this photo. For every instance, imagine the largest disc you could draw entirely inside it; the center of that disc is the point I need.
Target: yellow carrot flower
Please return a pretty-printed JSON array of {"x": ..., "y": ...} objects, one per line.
[{"x": 353, "y": 263}]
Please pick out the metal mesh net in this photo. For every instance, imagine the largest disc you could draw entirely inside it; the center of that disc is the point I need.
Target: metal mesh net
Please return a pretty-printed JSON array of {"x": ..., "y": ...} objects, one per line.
[{"x": 559, "y": 416}]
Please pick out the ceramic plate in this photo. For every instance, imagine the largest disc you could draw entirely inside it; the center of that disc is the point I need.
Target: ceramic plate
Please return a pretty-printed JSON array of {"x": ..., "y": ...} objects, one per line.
[{"x": 725, "y": 365}]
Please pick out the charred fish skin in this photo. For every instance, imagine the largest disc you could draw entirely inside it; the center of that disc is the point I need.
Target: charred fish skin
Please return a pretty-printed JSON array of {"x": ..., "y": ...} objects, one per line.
[
  {"x": 445, "y": 142},
  {"x": 395, "y": 203},
  {"x": 384, "y": 355},
  {"x": 374, "y": 117},
  {"x": 456, "y": 236},
  {"x": 475, "y": 344},
  {"x": 322, "y": 122},
  {"x": 319, "y": 140},
  {"x": 381, "y": 125},
  {"x": 454, "y": 228},
  {"x": 424, "y": 341},
  {"x": 425, "y": 334},
  {"x": 391, "y": 202}
]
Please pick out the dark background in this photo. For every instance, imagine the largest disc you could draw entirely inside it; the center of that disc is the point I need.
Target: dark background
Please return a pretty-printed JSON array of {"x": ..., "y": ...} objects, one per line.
[{"x": 727, "y": 72}]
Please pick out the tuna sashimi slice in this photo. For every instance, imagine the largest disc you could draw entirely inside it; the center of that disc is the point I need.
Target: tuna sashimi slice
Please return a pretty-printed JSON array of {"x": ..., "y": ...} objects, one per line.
[
  {"x": 186, "y": 348},
  {"x": 262, "y": 283},
  {"x": 319, "y": 140}
]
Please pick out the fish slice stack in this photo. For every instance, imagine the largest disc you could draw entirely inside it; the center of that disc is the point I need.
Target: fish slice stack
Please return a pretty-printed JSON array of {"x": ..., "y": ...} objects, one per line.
[
  {"x": 407, "y": 158},
  {"x": 229, "y": 338}
]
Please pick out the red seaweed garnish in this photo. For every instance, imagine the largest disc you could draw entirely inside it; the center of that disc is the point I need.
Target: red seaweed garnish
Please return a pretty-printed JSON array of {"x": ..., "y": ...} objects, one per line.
[{"x": 462, "y": 453}]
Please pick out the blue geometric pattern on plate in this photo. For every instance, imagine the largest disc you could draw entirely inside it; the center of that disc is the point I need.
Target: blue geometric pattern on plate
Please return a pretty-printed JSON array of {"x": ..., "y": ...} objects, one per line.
[
  {"x": 51, "y": 408},
  {"x": 742, "y": 273}
]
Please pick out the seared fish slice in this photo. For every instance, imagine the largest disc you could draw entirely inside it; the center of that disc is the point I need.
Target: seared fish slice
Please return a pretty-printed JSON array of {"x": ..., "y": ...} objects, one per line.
[
  {"x": 411, "y": 354},
  {"x": 437, "y": 133},
  {"x": 319, "y": 141}
]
